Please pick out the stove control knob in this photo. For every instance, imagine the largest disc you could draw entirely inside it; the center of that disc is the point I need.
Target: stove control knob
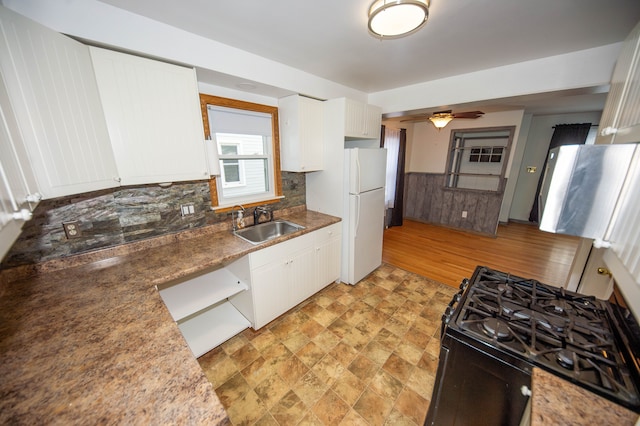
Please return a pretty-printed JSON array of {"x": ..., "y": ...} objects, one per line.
[
  {"x": 458, "y": 296},
  {"x": 464, "y": 283}
]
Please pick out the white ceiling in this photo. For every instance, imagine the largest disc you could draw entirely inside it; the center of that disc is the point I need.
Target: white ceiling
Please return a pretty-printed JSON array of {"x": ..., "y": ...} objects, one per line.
[{"x": 329, "y": 38}]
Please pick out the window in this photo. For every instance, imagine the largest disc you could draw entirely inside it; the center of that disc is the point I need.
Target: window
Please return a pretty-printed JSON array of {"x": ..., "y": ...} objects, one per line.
[
  {"x": 477, "y": 158},
  {"x": 247, "y": 149}
]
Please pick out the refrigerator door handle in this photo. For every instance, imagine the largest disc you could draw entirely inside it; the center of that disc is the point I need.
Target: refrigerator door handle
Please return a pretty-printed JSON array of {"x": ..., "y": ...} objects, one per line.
[
  {"x": 357, "y": 216},
  {"x": 358, "y": 174}
]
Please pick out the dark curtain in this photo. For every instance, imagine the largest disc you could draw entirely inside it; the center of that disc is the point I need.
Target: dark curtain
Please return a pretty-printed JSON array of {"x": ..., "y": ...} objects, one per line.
[
  {"x": 564, "y": 134},
  {"x": 397, "y": 211}
]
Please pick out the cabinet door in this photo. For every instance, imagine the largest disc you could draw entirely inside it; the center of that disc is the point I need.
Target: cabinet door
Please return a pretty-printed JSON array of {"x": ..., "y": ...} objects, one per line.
[
  {"x": 373, "y": 121},
  {"x": 53, "y": 93},
  {"x": 153, "y": 114},
  {"x": 328, "y": 248},
  {"x": 354, "y": 117},
  {"x": 362, "y": 121},
  {"x": 271, "y": 292},
  {"x": 300, "y": 134},
  {"x": 300, "y": 275},
  {"x": 620, "y": 122},
  {"x": 17, "y": 183}
]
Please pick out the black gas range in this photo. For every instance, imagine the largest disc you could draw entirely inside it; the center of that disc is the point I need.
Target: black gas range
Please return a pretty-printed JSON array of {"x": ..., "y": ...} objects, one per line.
[{"x": 499, "y": 326}]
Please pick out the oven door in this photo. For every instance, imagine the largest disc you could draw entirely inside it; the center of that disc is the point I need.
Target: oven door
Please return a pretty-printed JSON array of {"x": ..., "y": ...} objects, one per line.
[{"x": 474, "y": 386}]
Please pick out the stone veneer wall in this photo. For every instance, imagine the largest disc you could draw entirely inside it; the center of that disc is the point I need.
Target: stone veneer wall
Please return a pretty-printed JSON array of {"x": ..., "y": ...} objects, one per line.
[{"x": 122, "y": 215}]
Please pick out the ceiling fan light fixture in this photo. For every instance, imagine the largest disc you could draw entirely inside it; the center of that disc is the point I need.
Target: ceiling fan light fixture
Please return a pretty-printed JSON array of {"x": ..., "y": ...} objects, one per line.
[
  {"x": 397, "y": 18},
  {"x": 441, "y": 119}
]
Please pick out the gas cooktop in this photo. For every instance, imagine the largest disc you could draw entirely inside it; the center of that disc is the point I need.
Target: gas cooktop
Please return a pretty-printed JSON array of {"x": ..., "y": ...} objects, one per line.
[{"x": 572, "y": 335}]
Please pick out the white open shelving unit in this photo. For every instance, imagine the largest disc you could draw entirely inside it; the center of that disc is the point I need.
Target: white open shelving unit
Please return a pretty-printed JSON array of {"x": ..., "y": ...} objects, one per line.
[{"x": 201, "y": 308}]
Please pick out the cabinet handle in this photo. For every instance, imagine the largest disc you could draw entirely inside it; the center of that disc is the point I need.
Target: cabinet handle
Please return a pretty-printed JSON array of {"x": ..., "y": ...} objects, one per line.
[
  {"x": 34, "y": 198},
  {"x": 23, "y": 214}
]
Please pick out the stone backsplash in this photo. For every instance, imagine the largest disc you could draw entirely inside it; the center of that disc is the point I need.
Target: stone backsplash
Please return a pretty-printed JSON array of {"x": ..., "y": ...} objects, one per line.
[{"x": 122, "y": 215}]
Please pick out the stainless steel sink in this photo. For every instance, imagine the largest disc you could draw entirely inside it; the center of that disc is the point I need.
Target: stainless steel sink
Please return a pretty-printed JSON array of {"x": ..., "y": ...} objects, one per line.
[{"x": 267, "y": 231}]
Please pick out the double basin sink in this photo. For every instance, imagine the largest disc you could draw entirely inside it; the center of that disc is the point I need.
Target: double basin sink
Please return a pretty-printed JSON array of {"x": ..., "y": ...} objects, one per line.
[{"x": 267, "y": 231}]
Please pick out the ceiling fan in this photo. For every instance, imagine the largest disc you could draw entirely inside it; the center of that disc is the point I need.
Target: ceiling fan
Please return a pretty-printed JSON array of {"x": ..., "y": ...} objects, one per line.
[{"x": 442, "y": 118}]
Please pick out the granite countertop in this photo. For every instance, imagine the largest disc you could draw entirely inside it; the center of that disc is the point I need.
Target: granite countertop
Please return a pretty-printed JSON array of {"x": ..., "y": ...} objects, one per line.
[
  {"x": 556, "y": 401},
  {"x": 89, "y": 339}
]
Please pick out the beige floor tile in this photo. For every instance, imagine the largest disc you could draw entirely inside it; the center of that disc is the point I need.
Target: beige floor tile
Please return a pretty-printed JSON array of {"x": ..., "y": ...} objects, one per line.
[
  {"x": 376, "y": 352},
  {"x": 257, "y": 371},
  {"x": 363, "y": 368},
  {"x": 421, "y": 382},
  {"x": 412, "y": 405},
  {"x": 349, "y": 387},
  {"x": 353, "y": 419},
  {"x": 310, "y": 388},
  {"x": 330, "y": 409},
  {"x": 385, "y": 385},
  {"x": 372, "y": 407},
  {"x": 289, "y": 410},
  {"x": 292, "y": 369},
  {"x": 232, "y": 390},
  {"x": 246, "y": 410},
  {"x": 349, "y": 355},
  {"x": 272, "y": 390},
  {"x": 398, "y": 367},
  {"x": 310, "y": 354},
  {"x": 328, "y": 369}
]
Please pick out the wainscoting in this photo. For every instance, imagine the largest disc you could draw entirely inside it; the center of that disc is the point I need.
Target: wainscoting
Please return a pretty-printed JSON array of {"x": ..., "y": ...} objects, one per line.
[{"x": 427, "y": 200}]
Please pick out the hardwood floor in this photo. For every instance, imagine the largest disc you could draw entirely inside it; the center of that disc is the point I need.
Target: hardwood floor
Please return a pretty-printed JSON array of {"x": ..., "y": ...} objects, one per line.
[{"x": 448, "y": 255}]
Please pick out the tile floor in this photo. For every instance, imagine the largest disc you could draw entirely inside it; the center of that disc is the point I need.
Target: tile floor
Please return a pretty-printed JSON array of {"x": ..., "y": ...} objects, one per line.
[{"x": 350, "y": 355}]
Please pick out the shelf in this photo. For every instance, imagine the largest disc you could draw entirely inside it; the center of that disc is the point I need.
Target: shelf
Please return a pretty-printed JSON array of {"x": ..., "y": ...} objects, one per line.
[
  {"x": 187, "y": 297},
  {"x": 212, "y": 327}
]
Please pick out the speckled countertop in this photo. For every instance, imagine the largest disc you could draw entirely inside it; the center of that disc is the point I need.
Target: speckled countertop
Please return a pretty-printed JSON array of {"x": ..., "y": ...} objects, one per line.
[
  {"x": 556, "y": 401},
  {"x": 88, "y": 339}
]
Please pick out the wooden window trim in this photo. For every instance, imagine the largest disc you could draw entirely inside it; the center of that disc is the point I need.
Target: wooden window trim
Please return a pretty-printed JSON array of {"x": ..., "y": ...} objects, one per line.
[{"x": 275, "y": 140}]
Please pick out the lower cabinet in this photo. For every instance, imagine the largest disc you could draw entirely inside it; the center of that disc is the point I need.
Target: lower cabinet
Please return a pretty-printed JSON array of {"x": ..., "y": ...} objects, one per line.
[
  {"x": 286, "y": 274},
  {"x": 201, "y": 308},
  {"x": 215, "y": 305}
]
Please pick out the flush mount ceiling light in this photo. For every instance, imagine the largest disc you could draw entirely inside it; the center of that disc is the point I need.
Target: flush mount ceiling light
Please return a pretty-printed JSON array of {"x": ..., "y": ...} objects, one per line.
[
  {"x": 397, "y": 18},
  {"x": 441, "y": 119}
]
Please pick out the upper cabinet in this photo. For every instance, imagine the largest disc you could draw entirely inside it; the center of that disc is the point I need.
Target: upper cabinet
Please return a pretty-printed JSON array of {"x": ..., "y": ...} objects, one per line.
[
  {"x": 52, "y": 91},
  {"x": 361, "y": 121},
  {"x": 301, "y": 145},
  {"x": 152, "y": 111},
  {"x": 620, "y": 122}
]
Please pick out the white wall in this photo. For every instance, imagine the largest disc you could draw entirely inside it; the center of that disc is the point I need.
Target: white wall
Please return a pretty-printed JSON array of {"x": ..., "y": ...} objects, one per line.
[
  {"x": 562, "y": 72},
  {"x": 113, "y": 27},
  {"x": 427, "y": 148},
  {"x": 536, "y": 147},
  {"x": 108, "y": 25}
]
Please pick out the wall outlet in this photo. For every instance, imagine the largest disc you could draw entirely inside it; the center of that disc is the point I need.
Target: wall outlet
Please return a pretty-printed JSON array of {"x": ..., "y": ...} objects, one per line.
[
  {"x": 187, "y": 209},
  {"x": 72, "y": 229},
  {"x": 464, "y": 214}
]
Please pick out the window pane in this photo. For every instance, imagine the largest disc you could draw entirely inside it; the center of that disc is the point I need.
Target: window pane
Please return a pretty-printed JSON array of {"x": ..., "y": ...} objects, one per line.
[{"x": 244, "y": 177}]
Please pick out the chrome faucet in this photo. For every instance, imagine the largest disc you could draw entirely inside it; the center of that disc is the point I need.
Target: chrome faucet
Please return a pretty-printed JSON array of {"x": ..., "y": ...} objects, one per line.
[
  {"x": 262, "y": 211},
  {"x": 234, "y": 223}
]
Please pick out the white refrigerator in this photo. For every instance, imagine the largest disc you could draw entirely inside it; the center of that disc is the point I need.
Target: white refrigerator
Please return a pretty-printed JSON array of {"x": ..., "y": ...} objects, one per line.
[{"x": 363, "y": 218}]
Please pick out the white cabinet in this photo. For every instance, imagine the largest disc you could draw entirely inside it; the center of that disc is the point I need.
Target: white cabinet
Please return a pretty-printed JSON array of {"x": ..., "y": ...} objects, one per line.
[
  {"x": 361, "y": 121},
  {"x": 279, "y": 277},
  {"x": 285, "y": 274},
  {"x": 300, "y": 121},
  {"x": 201, "y": 307},
  {"x": 18, "y": 193},
  {"x": 52, "y": 92},
  {"x": 152, "y": 111},
  {"x": 620, "y": 122},
  {"x": 327, "y": 246}
]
